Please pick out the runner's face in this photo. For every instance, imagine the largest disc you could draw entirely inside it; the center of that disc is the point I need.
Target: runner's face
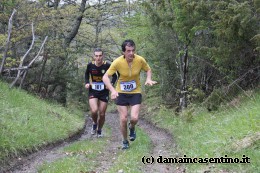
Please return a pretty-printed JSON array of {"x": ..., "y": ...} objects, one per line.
[
  {"x": 98, "y": 56},
  {"x": 129, "y": 53}
]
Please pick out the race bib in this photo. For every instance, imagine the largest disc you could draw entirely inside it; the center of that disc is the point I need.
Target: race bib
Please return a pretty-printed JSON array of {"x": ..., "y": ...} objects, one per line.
[
  {"x": 98, "y": 86},
  {"x": 128, "y": 86}
]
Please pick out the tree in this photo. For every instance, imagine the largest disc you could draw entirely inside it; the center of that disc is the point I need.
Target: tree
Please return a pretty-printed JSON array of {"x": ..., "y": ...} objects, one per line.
[
  {"x": 205, "y": 38},
  {"x": 7, "y": 41},
  {"x": 56, "y": 70}
]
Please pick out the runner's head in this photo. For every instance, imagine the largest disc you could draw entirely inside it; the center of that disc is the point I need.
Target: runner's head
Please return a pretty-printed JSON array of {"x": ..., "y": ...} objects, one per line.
[
  {"x": 128, "y": 48},
  {"x": 98, "y": 56},
  {"x": 129, "y": 43}
]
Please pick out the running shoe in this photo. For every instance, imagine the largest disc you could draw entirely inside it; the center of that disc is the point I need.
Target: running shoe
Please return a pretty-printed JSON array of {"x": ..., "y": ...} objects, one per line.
[
  {"x": 99, "y": 134},
  {"x": 94, "y": 129},
  {"x": 132, "y": 134},
  {"x": 125, "y": 145}
]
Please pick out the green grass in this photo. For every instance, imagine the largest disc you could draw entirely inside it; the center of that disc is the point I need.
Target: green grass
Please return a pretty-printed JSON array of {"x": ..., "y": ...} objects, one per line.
[
  {"x": 131, "y": 160},
  {"x": 28, "y": 123},
  {"x": 225, "y": 132}
]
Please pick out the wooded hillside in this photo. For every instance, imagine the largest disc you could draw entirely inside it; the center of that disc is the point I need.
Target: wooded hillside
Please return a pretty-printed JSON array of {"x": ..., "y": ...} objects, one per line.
[{"x": 198, "y": 50}]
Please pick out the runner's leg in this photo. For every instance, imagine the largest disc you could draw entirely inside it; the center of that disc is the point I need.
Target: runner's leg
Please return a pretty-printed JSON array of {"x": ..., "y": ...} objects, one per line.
[
  {"x": 93, "y": 103},
  {"x": 102, "y": 114},
  {"x": 135, "y": 109},
  {"x": 123, "y": 120}
]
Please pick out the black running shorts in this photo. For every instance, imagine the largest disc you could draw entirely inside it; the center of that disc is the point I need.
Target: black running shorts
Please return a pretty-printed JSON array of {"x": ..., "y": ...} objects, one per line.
[
  {"x": 103, "y": 96},
  {"x": 129, "y": 99}
]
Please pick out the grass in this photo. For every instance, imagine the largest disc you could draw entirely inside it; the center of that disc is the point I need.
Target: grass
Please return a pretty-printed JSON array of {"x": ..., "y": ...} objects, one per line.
[
  {"x": 131, "y": 160},
  {"x": 232, "y": 131},
  {"x": 28, "y": 123}
]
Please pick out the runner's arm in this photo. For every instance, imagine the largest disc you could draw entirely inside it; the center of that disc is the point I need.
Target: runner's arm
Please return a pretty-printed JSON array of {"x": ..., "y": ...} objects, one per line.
[
  {"x": 114, "y": 79},
  {"x": 87, "y": 85},
  {"x": 149, "y": 80},
  {"x": 106, "y": 80}
]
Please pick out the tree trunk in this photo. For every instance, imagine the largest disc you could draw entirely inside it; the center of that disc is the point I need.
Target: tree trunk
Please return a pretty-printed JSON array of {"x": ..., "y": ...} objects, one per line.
[
  {"x": 183, "y": 72},
  {"x": 67, "y": 41},
  {"x": 7, "y": 41},
  {"x": 76, "y": 25},
  {"x": 45, "y": 58}
]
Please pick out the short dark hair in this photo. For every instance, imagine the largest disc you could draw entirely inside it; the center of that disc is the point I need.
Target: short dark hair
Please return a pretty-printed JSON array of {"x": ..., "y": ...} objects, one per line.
[
  {"x": 129, "y": 42},
  {"x": 98, "y": 50}
]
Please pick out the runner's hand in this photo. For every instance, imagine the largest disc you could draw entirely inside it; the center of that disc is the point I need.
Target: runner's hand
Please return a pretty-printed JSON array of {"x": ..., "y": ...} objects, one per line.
[
  {"x": 87, "y": 86},
  {"x": 114, "y": 95},
  {"x": 150, "y": 82}
]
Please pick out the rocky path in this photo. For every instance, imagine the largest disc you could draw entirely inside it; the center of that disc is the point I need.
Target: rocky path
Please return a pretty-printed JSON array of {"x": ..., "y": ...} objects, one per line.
[{"x": 162, "y": 143}]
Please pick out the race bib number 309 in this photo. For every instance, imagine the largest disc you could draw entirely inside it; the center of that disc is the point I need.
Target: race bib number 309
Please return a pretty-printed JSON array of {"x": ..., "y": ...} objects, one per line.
[{"x": 128, "y": 86}]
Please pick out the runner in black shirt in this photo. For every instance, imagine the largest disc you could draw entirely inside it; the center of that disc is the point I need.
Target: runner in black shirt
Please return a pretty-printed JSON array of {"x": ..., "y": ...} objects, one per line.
[{"x": 98, "y": 93}]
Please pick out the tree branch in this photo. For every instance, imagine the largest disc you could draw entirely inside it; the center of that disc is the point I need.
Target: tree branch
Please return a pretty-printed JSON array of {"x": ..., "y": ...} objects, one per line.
[
  {"x": 23, "y": 58},
  {"x": 7, "y": 41},
  {"x": 38, "y": 52}
]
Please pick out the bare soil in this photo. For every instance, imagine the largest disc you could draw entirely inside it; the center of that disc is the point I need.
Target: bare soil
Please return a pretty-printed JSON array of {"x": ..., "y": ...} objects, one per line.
[{"x": 162, "y": 142}]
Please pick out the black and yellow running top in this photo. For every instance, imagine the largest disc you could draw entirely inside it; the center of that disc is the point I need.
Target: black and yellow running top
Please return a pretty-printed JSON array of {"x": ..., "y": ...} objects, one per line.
[
  {"x": 129, "y": 78},
  {"x": 94, "y": 76}
]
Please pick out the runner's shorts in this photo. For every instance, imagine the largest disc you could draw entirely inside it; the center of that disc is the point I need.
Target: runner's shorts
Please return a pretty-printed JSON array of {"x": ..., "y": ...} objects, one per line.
[
  {"x": 128, "y": 99},
  {"x": 103, "y": 96}
]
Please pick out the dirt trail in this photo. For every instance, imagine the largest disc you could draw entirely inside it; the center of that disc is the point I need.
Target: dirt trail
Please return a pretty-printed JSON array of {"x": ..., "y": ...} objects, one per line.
[{"x": 162, "y": 143}]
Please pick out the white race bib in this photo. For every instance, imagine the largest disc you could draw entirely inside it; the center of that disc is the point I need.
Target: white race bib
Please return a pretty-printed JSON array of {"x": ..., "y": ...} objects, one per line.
[
  {"x": 128, "y": 86},
  {"x": 98, "y": 86}
]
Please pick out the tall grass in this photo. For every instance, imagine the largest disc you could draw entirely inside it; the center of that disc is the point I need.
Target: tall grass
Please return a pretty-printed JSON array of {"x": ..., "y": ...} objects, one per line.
[
  {"x": 232, "y": 131},
  {"x": 27, "y": 122}
]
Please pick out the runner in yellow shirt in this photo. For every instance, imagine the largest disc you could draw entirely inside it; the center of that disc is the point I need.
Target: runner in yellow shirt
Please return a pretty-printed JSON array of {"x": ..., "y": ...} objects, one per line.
[{"x": 128, "y": 89}]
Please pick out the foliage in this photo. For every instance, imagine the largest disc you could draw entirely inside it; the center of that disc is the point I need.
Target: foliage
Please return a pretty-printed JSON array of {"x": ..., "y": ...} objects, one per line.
[
  {"x": 221, "y": 39},
  {"x": 213, "y": 102},
  {"x": 234, "y": 25},
  {"x": 54, "y": 75}
]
